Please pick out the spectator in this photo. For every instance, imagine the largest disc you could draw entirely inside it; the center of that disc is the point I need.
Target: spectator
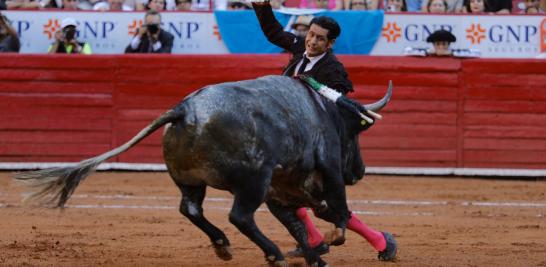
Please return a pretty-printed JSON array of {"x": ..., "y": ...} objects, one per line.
[
  {"x": 396, "y": 6},
  {"x": 498, "y": 6},
  {"x": 441, "y": 40},
  {"x": 157, "y": 5},
  {"x": 532, "y": 7},
  {"x": 322, "y": 4},
  {"x": 111, "y": 5},
  {"x": 150, "y": 38},
  {"x": 357, "y": 5},
  {"x": 183, "y": 5},
  {"x": 23, "y": 4},
  {"x": 436, "y": 6},
  {"x": 453, "y": 6},
  {"x": 474, "y": 6},
  {"x": 66, "y": 42},
  {"x": 9, "y": 42},
  {"x": 70, "y": 5},
  {"x": 301, "y": 26},
  {"x": 238, "y": 5}
]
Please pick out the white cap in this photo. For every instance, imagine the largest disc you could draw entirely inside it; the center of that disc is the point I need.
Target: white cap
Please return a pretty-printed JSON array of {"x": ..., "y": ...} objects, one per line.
[{"x": 68, "y": 22}]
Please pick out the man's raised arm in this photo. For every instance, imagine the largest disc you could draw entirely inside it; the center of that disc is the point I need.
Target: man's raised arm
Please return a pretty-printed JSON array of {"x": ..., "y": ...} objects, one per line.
[{"x": 271, "y": 28}]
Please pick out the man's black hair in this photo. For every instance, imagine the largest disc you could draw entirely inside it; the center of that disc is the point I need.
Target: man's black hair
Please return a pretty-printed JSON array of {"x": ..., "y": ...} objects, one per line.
[{"x": 327, "y": 23}]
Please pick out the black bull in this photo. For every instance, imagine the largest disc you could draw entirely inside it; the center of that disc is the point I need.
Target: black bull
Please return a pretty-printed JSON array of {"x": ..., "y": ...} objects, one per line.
[{"x": 265, "y": 140}]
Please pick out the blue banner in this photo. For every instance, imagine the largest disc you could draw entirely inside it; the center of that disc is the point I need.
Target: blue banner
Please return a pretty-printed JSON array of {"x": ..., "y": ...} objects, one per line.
[{"x": 241, "y": 32}]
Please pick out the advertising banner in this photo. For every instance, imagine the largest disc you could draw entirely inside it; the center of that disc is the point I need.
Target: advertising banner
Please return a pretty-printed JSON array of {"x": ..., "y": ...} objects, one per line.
[
  {"x": 111, "y": 32},
  {"x": 493, "y": 36}
]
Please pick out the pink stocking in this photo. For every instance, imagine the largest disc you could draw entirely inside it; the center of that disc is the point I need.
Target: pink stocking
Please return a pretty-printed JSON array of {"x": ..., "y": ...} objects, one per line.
[
  {"x": 314, "y": 237},
  {"x": 375, "y": 238}
]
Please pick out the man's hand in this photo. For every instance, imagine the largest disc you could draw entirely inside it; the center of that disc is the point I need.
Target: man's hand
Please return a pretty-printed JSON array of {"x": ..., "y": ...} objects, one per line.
[
  {"x": 154, "y": 37},
  {"x": 260, "y": 2},
  {"x": 58, "y": 36},
  {"x": 142, "y": 30}
]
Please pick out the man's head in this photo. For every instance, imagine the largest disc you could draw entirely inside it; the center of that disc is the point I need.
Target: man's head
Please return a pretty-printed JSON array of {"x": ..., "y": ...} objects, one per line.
[
  {"x": 68, "y": 28},
  {"x": 183, "y": 5},
  {"x": 157, "y": 5},
  {"x": 321, "y": 36},
  {"x": 441, "y": 39},
  {"x": 358, "y": 5},
  {"x": 70, "y": 4},
  {"x": 115, "y": 5},
  {"x": 301, "y": 25},
  {"x": 152, "y": 20}
]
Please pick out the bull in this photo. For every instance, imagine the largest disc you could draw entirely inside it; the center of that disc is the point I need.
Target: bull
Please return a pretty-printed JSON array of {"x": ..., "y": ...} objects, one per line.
[{"x": 269, "y": 140}]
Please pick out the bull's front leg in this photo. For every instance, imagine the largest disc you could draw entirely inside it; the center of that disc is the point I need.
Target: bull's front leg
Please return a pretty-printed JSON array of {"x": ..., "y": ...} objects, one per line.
[{"x": 336, "y": 210}]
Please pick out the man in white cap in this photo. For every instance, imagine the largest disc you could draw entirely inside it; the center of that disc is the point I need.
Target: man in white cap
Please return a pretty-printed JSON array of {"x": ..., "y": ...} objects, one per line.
[
  {"x": 301, "y": 25},
  {"x": 66, "y": 42}
]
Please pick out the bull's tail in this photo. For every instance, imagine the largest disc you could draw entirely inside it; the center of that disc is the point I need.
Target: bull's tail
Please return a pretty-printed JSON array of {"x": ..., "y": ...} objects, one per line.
[{"x": 54, "y": 186}]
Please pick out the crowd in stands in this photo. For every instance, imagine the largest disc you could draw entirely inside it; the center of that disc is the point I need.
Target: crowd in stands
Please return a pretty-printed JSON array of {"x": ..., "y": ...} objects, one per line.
[
  {"x": 151, "y": 40},
  {"x": 424, "y": 6}
]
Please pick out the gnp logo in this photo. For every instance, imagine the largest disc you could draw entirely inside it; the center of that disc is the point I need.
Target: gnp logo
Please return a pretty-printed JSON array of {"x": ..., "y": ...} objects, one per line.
[
  {"x": 134, "y": 26},
  {"x": 411, "y": 32},
  {"x": 85, "y": 29},
  {"x": 391, "y": 32},
  {"x": 51, "y": 27},
  {"x": 475, "y": 33},
  {"x": 501, "y": 33}
]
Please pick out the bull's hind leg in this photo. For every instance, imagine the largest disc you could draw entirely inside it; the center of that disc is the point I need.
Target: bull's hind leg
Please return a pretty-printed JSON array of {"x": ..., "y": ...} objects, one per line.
[
  {"x": 191, "y": 206},
  {"x": 249, "y": 195},
  {"x": 287, "y": 216}
]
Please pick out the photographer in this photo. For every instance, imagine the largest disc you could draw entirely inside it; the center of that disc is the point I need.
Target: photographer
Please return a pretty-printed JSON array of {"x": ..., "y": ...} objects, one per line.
[
  {"x": 9, "y": 42},
  {"x": 66, "y": 42},
  {"x": 150, "y": 38}
]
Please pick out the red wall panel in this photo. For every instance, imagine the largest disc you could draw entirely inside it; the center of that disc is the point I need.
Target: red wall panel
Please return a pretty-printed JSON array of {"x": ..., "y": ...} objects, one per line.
[{"x": 445, "y": 112}]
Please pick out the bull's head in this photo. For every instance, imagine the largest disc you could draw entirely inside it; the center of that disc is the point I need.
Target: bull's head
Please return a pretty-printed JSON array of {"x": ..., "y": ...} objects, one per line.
[{"x": 353, "y": 166}]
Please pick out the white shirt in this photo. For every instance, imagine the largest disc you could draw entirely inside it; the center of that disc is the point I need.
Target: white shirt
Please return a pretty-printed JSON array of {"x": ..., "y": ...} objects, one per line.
[{"x": 312, "y": 62}]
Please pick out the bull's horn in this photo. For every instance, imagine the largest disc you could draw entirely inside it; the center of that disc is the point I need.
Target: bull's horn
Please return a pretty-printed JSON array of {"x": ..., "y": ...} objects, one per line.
[{"x": 377, "y": 106}]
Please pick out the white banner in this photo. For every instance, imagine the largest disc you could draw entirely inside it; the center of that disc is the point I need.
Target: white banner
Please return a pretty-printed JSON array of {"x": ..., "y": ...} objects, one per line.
[
  {"x": 499, "y": 36},
  {"x": 111, "y": 32}
]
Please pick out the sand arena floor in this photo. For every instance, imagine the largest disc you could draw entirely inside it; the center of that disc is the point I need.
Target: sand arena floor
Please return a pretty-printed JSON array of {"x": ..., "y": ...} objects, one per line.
[{"x": 132, "y": 219}]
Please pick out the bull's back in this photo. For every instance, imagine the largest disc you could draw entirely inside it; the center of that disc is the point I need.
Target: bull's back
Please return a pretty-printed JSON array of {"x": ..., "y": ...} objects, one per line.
[{"x": 241, "y": 127}]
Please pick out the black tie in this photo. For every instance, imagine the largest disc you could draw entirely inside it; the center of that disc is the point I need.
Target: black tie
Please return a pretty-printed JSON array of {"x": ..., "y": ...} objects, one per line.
[{"x": 303, "y": 65}]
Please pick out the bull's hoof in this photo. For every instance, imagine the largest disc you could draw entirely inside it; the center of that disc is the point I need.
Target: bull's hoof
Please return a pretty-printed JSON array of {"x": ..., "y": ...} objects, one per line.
[
  {"x": 320, "y": 249},
  {"x": 319, "y": 263},
  {"x": 389, "y": 253},
  {"x": 274, "y": 262},
  {"x": 335, "y": 237},
  {"x": 222, "y": 251},
  {"x": 282, "y": 263}
]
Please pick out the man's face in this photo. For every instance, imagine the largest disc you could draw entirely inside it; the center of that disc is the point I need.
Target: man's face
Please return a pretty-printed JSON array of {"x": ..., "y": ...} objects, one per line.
[
  {"x": 301, "y": 30},
  {"x": 441, "y": 48},
  {"x": 70, "y": 4},
  {"x": 156, "y": 5},
  {"x": 316, "y": 41},
  {"x": 115, "y": 5},
  {"x": 152, "y": 19}
]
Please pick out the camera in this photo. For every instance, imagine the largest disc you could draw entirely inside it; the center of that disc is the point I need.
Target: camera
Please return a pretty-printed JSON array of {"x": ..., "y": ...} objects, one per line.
[
  {"x": 69, "y": 33},
  {"x": 152, "y": 28}
]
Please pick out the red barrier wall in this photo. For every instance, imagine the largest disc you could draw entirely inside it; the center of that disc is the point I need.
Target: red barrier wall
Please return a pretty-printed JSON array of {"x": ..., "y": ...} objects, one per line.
[{"x": 444, "y": 112}]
